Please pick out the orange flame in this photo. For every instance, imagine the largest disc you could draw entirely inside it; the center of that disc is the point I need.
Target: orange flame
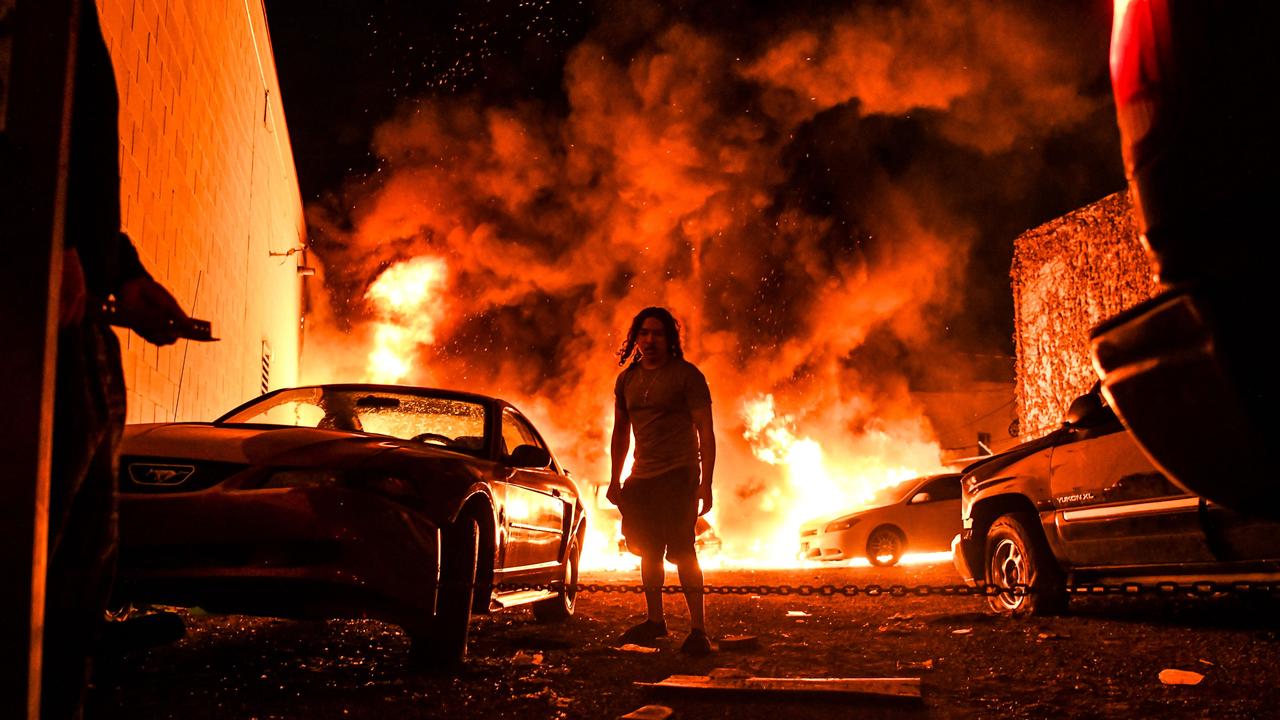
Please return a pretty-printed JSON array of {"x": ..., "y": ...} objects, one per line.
[
  {"x": 408, "y": 297},
  {"x": 672, "y": 175},
  {"x": 815, "y": 482}
]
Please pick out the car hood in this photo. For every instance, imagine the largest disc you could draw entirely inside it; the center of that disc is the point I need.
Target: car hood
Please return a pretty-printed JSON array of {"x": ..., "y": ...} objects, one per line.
[
  {"x": 990, "y": 466},
  {"x": 269, "y": 445}
]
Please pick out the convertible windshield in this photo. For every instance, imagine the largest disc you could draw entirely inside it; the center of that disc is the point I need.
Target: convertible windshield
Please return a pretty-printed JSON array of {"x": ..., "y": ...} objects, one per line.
[{"x": 445, "y": 421}]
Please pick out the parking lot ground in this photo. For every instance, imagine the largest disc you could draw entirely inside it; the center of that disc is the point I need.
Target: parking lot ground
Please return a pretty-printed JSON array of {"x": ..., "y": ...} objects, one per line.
[{"x": 1103, "y": 659}]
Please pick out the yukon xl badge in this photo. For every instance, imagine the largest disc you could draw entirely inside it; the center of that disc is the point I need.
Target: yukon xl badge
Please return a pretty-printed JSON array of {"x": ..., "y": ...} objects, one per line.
[
  {"x": 1079, "y": 498},
  {"x": 166, "y": 475}
]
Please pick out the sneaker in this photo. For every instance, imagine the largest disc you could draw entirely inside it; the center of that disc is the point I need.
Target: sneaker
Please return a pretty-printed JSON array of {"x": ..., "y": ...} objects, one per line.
[
  {"x": 697, "y": 643},
  {"x": 647, "y": 631}
]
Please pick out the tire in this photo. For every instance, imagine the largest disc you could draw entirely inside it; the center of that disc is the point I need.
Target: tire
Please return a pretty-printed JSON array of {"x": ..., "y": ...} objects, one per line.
[
  {"x": 562, "y": 606},
  {"x": 444, "y": 642},
  {"x": 1016, "y": 553},
  {"x": 885, "y": 546}
]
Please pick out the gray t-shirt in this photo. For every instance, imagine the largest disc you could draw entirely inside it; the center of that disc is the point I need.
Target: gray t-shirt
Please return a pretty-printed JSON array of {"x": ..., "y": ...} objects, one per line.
[{"x": 660, "y": 404}]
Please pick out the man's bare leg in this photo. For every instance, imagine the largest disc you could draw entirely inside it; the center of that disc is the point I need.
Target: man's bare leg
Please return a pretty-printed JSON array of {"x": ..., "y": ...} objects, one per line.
[
  {"x": 652, "y": 574},
  {"x": 691, "y": 579}
]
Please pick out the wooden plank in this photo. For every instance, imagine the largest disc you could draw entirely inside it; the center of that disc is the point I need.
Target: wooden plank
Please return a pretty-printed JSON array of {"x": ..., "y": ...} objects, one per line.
[{"x": 899, "y": 687}]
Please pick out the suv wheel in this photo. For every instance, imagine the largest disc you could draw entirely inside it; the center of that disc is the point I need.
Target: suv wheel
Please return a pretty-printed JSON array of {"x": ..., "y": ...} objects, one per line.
[{"x": 1018, "y": 555}]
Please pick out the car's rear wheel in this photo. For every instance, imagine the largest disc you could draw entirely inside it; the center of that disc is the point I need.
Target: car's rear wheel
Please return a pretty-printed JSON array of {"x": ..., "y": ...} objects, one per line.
[
  {"x": 444, "y": 641},
  {"x": 1017, "y": 555},
  {"x": 561, "y": 606},
  {"x": 885, "y": 546}
]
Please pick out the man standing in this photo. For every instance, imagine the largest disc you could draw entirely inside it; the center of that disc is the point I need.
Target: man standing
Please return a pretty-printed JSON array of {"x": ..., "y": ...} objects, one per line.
[
  {"x": 99, "y": 262},
  {"x": 666, "y": 401}
]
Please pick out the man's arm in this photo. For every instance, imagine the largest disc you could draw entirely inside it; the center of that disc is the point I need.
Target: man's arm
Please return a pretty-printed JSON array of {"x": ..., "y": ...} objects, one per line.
[
  {"x": 151, "y": 310},
  {"x": 707, "y": 449},
  {"x": 618, "y": 448}
]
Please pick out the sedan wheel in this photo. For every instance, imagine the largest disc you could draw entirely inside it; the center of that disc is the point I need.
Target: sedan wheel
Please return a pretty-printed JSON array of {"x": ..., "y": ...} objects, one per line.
[
  {"x": 1018, "y": 558},
  {"x": 445, "y": 642},
  {"x": 885, "y": 546},
  {"x": 561, "y": 606}
]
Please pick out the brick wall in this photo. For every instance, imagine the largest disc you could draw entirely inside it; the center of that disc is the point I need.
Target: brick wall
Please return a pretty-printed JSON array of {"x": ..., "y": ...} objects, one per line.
[
  {"x": 1068, "y": 275},
  {"x": 209, "y": 195}
]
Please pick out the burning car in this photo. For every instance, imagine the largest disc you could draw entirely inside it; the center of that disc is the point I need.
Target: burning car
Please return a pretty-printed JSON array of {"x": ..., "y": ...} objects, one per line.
[
  {"x": 406, "y": 504},
  {"x": 1084, "y": 504},
  {"x": 921, "y": 515}
]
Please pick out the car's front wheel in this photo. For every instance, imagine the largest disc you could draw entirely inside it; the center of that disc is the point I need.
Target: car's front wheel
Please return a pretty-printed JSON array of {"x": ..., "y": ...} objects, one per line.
[
  {"x": 1018, "y": 556},
  {"x": 562, "y": 606},
  {"x": 885, "y": 546},
  {"x": 444, "y": 641}
]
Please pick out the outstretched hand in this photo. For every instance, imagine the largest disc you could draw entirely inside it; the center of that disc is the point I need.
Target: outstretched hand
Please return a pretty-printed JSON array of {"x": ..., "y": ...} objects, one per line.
[{"x": 152, "y": 311}]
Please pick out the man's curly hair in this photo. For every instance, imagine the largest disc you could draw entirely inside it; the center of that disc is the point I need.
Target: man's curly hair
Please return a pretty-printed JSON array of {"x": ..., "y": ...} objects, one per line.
[{"x": 672, "y": 326}]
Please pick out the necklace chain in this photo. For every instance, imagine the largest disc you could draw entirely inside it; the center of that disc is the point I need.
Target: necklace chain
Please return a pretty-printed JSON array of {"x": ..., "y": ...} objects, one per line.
[{"x": 653, "y": 377}]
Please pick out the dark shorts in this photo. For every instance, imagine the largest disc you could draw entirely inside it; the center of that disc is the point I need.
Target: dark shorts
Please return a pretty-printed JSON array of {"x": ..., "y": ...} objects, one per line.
[{"x": 659, "y": 513}]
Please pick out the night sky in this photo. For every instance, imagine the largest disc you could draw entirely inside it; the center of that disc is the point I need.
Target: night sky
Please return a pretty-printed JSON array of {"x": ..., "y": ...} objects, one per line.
[{"x": 347, "y": 67}]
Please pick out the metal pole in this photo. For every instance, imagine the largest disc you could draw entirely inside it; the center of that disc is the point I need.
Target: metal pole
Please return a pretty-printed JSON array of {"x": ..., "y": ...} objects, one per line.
[{"x": 37, "y": 61}]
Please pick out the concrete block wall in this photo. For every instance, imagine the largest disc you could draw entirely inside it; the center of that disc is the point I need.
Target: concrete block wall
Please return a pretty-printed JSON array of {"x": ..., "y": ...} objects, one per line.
[
  {"x": 1068, "y": 275},
  {"x": 209, "y": 194}
]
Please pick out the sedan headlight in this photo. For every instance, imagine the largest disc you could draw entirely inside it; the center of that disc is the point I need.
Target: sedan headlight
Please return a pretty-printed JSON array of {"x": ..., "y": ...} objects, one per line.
[
  {"x": 841, "y": 524},
  {"x": 303, "y": 477},
  {"x": 381, "y": 483}
]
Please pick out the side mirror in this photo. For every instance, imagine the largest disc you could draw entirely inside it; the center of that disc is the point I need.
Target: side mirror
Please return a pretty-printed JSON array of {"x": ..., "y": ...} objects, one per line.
[
  {"x": 918, "y": 498},
  {"x": 1084, "y": 409},
  {"x": 530, "y": 456}
]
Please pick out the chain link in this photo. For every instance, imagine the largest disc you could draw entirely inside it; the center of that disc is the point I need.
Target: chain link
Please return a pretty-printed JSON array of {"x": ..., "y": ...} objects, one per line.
[{"x": 1201, "y": 588}]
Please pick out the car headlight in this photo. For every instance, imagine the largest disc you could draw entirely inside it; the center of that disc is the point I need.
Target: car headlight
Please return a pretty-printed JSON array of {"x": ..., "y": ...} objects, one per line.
[
  {"x": 304, "y": 477},
  {"x": 841, "y": 524},
  {"x": 381, "y": 483}
]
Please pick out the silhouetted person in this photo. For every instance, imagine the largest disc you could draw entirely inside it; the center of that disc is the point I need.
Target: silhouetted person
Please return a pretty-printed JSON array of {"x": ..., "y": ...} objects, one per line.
[
  {"x": 99, "y": 263},
  {"x": 666, "y": 401},
  {"x": 339, "y": 412}
]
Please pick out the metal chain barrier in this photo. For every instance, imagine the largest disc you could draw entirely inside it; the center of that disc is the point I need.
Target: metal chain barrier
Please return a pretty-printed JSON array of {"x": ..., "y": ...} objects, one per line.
[{"x": 1202, "y": 588}]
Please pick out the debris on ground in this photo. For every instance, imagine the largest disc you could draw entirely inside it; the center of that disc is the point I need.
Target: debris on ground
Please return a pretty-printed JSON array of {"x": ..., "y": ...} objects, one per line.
[
  {"x": 798, "y": 614},
  {"x": 909, "y": 665},
  {"x": 739, "y": 642},
  {"x": 632, "y": 647},
  {"x": 648, "y": 712},
  {"x": 962, "y": 631},
  {"x": 1171, "y": 676},
  {"x": 524, "y": 659}
]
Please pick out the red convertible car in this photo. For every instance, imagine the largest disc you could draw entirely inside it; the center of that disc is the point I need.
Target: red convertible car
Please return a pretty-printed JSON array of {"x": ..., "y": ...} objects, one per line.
[{"x": 410, "y": 505}]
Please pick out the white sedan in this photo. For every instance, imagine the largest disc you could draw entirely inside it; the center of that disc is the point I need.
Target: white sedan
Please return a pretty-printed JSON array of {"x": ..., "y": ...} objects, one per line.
[{"x": 920, "y": 515}]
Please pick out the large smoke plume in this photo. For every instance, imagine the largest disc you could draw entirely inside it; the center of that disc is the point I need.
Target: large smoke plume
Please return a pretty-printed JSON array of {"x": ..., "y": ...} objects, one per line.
[{"x": 801, "y": 195}]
